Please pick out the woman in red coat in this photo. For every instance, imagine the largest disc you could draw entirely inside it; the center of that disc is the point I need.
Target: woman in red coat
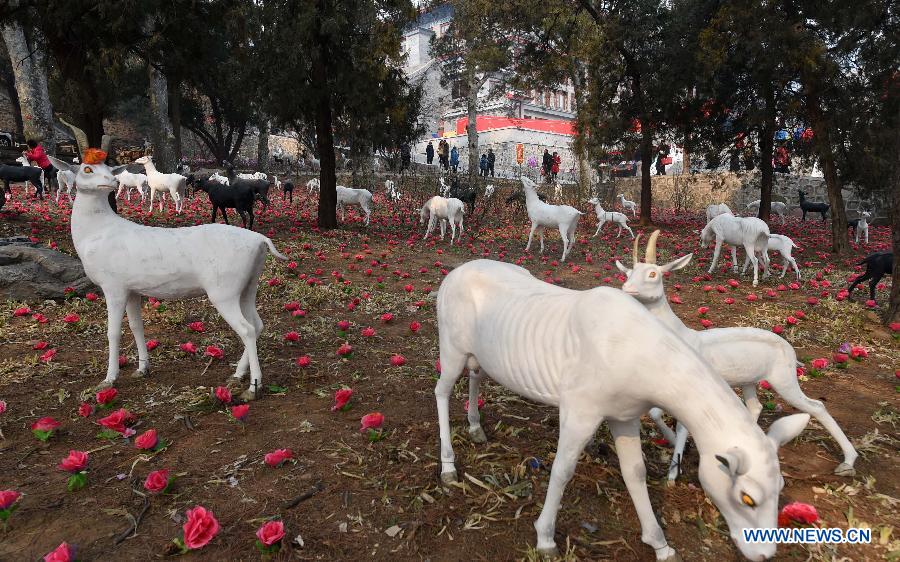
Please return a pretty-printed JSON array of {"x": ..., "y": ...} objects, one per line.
[
  {"x": 554, "y": 170},
  {"x": 36, "y": 154}
]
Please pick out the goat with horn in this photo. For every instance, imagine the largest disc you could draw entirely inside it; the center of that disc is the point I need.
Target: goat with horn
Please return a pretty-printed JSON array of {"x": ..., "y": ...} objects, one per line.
[{"x": 740, "y": 356}]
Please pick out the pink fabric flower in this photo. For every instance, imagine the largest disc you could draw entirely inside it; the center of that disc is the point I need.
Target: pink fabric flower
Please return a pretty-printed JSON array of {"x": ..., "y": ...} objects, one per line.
[
  {"x": 341, "y": 398},
  {"x": 371, "y": 421}
]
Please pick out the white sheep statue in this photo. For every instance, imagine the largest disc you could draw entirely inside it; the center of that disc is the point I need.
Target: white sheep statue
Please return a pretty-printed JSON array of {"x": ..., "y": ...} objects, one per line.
[
  {"x": 862, "y": 226},
  {"x": 599, "y": 355},
  {"x": 351, "y": 196},
  {"x": 783, "y": 245},
  {"x": 776, "y": 207},
  {"x": 488, "y": 190},
  {"x": 742, "y": 357},
  {"x": 173, "y": 184},
  {"x": 312, "y": 185},
  {"x": 749, "y": 232},
  {"x": 716, "y": 209},
  {"x": 128, "y": 181},
  {"x": 217, "y": 177},
  {"x": 445, "y": 187},
  {"x": 65, "y": 180},
  {"x": 628, "y": 205},
  {"x": 128, "y": 260},
  {"x": 609, "y": 216},
  {"x": 444, "y": 210},
  {"x": 254, "y": 176},
  {"x": 542, "y": 215}
]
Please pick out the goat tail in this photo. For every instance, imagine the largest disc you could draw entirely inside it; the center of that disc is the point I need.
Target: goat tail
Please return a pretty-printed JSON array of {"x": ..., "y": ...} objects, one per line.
[{"x": 273, "y": 250}]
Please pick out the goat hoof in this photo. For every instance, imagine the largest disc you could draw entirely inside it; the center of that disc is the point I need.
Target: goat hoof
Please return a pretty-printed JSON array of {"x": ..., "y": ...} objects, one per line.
[
  {"x": 103, "y": 385},
  {"x": 138, "y": 374},
  {"x": 477, "y": 435},
  {"x": 448, "y": 478},
  {"x": 674, "y": 557},
  {"x": 548, "y": 553},
  {"x": 845, "y": 469},
  {"x": 249, "y": 395}
]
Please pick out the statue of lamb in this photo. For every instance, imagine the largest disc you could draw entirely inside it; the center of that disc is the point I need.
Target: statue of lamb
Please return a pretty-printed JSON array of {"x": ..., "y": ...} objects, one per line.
[
  {"x": 128, "y": 260},
  {"x": 441, "y": 209},
  {"x": 728, "y": 352},
  {"x": 558, "y": 346}
]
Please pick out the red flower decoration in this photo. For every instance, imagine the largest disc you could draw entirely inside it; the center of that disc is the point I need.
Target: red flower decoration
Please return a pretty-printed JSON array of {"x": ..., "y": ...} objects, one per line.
[
  {"x": 240, "y": 412},
  {"x": 277, "y": 457},
  {"x": 75, "y": 462},
  {"x": 371, "y": 421},
  {"x": 214, "y": 352},
  {"x": 341, "y": 398}
]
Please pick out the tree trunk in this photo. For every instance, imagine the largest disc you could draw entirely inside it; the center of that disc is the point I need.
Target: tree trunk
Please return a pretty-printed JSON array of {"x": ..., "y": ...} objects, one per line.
[
  {"x": 325, "y": 136},
  {"x": 9, "y": 84},
  {"x": 646, "y": 184},
  {"x": 766, "y": 149},
  {"x": 93, "y": 127},
  {"x": 893, "y": 314},
  {"x": 840, "y": 243},
  {"x": 30, "y": 71},
  {"x": 175, "y": 117},
  {"x": 472, "y": 125},
  {"x": 160, "y": 128},
  {"x": 262, "y": 146}
]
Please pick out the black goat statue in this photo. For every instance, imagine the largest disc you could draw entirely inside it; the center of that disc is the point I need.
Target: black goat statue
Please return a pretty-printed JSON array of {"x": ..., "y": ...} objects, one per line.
[
  {"x": 260, "y": 187},
  {"x": 467, "y": 195},
  {"x": 812, "y": 207},
  {"x": 238, "y": 197},
  {"x": 878, "y": 265},
  {"x": 16, "y": 174},
  {"x": 287, "y": 190}
]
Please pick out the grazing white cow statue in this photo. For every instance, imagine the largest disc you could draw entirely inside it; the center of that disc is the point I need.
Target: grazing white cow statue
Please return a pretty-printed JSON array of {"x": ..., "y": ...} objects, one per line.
[
  {"x": 740, "y": 356},
  {"x": 749, "y": 232},
  {"x": 441, "y": 209},
  {"x": 128, "y": 260},
  {"x": 599, "y": 355}
]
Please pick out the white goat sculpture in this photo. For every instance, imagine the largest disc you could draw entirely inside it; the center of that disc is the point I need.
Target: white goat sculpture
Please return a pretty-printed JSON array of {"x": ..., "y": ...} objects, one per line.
[
  {"x": 312, "y": 185},
  {"x": 445, "y": 188},
  {"x": 543, "y": 215},
  {"x": 716, "y": 209},
  {"x": 64, "y": 180},
  {"x": 749, "y": 232},
  {"x": 128, "y": 260},
  {"x": 351, "y": 196},
  {"x": 217, "y": 177},
  {"x": 442, "y": 209},
  {"x": 628, "y": 205},
  {"x": 488, "y": 190},
  {"x": 776, "y": 207},
  {"x": 609, "y": 216},
  {"x": 783, "y": 245},
  {"x": 862, "y": 226},
  {"x": 254, "y": 176},
  {"x": 556, "y": 346},
  {"x": 128, "y": 181},
  {"x": 173, "y": 184},
  {"x": 740, "y": 356},
  {"x": 393, "y": 192}
]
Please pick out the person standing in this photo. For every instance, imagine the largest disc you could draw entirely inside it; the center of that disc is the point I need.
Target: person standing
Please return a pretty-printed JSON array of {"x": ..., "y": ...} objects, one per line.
[
  {"x": 36, "y": 154},
  {"x": 429, "y": 153},
  {"x": 454, "y": 159},
  {"x": 482, "y": 165},
  {"x": 491, "y": 159},
  {"x": 554, "y": 166},
  {"x": 547, "y": 164}
]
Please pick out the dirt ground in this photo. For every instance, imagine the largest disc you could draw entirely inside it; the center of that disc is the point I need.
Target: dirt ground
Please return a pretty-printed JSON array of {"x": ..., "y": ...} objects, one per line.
[{"x": 346, "y": 498}]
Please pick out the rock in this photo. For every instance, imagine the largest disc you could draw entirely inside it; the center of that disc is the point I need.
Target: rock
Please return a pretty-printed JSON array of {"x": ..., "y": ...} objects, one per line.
[
  {"x": 29, "y": 272},
  {"x": 392, "y": 531}
]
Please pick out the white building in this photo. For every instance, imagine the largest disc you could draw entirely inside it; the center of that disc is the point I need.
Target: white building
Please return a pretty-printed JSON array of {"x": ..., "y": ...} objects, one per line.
[{"x": 540, "y": 119}]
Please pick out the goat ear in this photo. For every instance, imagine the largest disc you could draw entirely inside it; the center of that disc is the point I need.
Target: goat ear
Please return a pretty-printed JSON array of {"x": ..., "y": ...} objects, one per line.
[
  {"x": 61, "y": 165},
  {"x": 678, "y": 263},
  {"x": 734, "y": 462},
  {"x": 622, "y": 268},
  {"x": 786, "y": 428}
]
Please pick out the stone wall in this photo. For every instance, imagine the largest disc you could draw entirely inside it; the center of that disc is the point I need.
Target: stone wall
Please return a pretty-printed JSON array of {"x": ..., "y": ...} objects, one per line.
[{"x": 696, "y": 191}]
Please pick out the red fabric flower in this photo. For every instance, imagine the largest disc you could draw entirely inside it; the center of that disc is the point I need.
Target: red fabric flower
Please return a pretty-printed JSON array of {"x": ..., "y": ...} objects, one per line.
[
  {"x": 819, "y": 364},
  {"x": 8, "y": 498},
  {"x": 304, "y": 361},
  {"x": 147, "y": 441},
  {"x": 200, "y": 528},
  {"x": 188, "y": 347},
  {"x": 797, "y": 512},
  {"x": 152, "y": 344},
  {"x": 71, "y": 318},
  {"x": 240, "y": 411},
  {"x": 278, "y": 456},
  {"x": 40, "y": 346},
  {"x": 62, "y": 553},
  {"x": 371, "y": 421},
  {"x": 223, "y": 395},
  {"x": 398, "y": 360},
  {"x": 197, "y": 326},
  {"x": 45, "y": 424},
  {"x": 85, "y": 410},
  {"x": 22, "y": 311},
  {"x": 341, "y": 398},
  {"x": 75, "y": 462},
  {"x": 387, "y": 317},
  {"x": 270, "y": 533},
  {"x": 107, "y": 395},
  {"x": 368, "y": 332},
  {"x": 415, "y": 326},
  {"x": 214, "y": 352},
  {"x": 345, "y": 349},
  {"x": 116, "y": 421},
  {"x": 157, "y": 481},
  {"x": 292, "y": 336}
]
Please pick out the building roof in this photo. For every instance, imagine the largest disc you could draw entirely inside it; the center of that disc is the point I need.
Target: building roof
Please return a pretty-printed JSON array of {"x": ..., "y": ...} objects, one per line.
[
  {"x": 427, "y": 18},
  {"x": 493, "y": 122}
]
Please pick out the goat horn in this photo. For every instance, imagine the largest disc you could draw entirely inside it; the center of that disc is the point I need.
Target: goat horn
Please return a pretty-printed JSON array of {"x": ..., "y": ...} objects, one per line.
[
  {"x": 650, "y": 256},
  {"x": 106, "y": 144},
  {"x": 80, "y": 137},
  {"x": 637, "y": 239}
]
